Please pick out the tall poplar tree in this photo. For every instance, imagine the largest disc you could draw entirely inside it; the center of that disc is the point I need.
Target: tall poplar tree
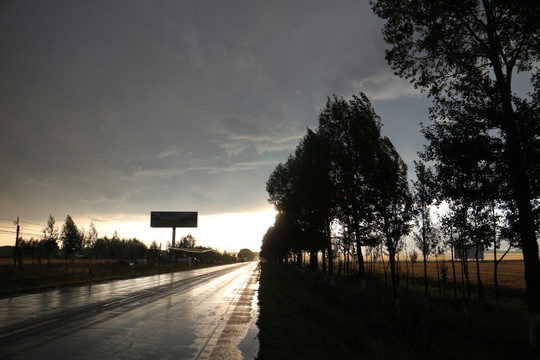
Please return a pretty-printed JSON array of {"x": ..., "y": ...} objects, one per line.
[
  {"x": 353, "y": 130},
  {"x": 466, "y": 53},
  {"x": 392, "y": 205},
  {"x": 423, "y": 196}
]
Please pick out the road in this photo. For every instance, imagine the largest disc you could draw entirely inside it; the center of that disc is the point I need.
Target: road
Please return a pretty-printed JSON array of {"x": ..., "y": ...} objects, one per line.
[{"x": 199, "y": 314}]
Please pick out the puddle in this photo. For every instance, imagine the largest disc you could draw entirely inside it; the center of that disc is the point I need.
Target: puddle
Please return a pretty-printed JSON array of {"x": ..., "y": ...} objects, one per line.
[
  {"x": 249, "y": 346},
  {"x": 239, "y": 339}
]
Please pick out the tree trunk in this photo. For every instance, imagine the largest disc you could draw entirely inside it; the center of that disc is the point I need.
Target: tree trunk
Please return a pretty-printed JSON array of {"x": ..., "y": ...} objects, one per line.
[
  {"x": 425, "y": 275},
  {"x": 330, "y": 256},
  {"x": 393, "y": 275},
  {"x": 467, "y": 280},
  {"x": 361, "y": 266},
  {"x": 348, "y": 262},
  {"x": 313, "y": 261},
  {"x": 522, "y": 196},
  {"x": 453, "y": 270},
  {"x": 438, "y": 281},
  {"x": 324, "y": 261},
  {"x": 478, "y": 278},
  {"x": 495, "y": 280},
  {"x": 522, "y": 193},
  {"x": 385, "y": 270},
  {"x": 407, "y": 275}
]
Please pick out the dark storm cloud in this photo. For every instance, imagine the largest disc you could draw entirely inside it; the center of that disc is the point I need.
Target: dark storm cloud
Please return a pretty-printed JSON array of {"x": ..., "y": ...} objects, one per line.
[{"x": 124, "y": 106}]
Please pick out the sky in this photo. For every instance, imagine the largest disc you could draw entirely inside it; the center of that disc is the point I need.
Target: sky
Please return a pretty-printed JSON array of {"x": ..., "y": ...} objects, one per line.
[{"x": 112, "y": 109}]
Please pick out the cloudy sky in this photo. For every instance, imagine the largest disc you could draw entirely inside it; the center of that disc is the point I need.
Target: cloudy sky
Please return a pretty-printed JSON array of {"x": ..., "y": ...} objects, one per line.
[{"x": 112, "y": 109}]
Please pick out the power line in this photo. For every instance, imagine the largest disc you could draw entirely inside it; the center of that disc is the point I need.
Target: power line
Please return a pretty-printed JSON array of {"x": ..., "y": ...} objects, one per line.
[
  {"x": 21, "y": 234},
  {"x": 26, "y": 222},
  {"x": 30, "y": 233},
  {"x": 13, "y": 221},
  {"x": 32, "y": 229}
]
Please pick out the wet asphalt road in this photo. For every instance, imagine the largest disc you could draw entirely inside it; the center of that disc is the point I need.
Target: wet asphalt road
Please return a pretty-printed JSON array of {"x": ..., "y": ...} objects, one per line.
[{"x": 200, "y": 314}]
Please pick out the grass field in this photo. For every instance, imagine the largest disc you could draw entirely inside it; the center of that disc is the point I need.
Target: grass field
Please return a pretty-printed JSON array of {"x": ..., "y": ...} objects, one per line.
[
  {"x": 510, "y": 273},
  {"x": 301, "y": 317}
]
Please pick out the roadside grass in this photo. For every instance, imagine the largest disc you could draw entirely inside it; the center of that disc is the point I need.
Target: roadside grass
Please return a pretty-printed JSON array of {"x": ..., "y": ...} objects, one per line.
[
  {"x": 34, "y": 277},
  {"x": 301, "y": 317}
]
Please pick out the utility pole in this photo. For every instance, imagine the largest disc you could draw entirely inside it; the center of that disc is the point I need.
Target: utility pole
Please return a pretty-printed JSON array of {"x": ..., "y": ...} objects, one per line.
[
  {"x": 159, "y": 258},
  {"x": 16, "y": 244}
]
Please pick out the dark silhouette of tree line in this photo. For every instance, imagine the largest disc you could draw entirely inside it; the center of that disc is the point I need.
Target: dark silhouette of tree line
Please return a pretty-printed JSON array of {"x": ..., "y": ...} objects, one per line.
[
  {"x": 483, "y": 138},
  {"x": 70, "y": 243},
  {"x": 345, "y": 188},
  {"x": 344, "y": 175}
]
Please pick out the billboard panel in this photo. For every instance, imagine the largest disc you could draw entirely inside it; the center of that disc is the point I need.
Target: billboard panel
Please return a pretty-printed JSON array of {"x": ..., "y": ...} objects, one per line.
[{"x": 173, "y": 219}]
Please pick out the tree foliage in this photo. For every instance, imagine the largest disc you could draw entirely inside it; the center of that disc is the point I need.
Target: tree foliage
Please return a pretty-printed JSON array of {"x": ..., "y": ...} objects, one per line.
[
  {"x": 483, "y": 137},
  {"x": 246, "y": 255},
  {"x": 49, "y": 241},
  {"x": 188, "y": 241},
  {"x": 72, "y": 239},
  {"x": 343, "y": 175},
  {"x": 353, "y": 132}
]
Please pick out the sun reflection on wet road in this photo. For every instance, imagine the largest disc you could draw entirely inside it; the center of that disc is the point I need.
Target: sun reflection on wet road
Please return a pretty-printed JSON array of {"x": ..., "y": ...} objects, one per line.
[{"x": 200, "y": 314}]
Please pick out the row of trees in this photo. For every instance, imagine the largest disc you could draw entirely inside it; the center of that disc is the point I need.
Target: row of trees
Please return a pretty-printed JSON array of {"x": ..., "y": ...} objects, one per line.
[
  {"x": 483, "y": 147},
  {"x": 70, "y": 242},
  {"x": 346, "y": 176},
  {"x": 484, "y": 138}
]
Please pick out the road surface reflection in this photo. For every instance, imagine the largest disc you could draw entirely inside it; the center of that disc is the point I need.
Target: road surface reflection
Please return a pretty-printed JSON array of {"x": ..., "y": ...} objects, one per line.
[{"x": 200, "y": 314}]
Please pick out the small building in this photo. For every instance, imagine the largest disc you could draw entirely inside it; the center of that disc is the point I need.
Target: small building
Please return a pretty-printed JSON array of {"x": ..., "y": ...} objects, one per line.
[{"x": 470, "y": 252}]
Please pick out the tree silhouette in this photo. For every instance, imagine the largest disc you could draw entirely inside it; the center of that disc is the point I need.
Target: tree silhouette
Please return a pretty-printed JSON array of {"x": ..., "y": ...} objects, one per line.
[
  {"x": 353, "y": 132},
  {"x": 72, "y": 239},
  {"x": 346, "y": 174},
  {"x": 465, "y": 53},
  {"x": 424, "y": 196},
  {"x": 188, "y": 241},
  {"x": 279, "y": 239},
  {"x": 393, "y": 205},
  {"x": 50, "y": 238},
  {"x": 246, "y": 254},
  {"x": 301, "y": 190}
]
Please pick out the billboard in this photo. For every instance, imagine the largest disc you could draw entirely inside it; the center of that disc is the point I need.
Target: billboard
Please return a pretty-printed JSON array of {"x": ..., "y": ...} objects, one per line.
[{"x": 173, "y": 219}]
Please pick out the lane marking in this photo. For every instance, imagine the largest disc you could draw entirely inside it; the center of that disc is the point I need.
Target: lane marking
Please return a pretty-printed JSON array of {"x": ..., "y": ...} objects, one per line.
[{"x": 30, "y": 327}]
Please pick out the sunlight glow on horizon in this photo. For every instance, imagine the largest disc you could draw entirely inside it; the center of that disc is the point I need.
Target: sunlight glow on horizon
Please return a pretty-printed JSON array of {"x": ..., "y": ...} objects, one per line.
[{"x": 223, "y": 232}]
